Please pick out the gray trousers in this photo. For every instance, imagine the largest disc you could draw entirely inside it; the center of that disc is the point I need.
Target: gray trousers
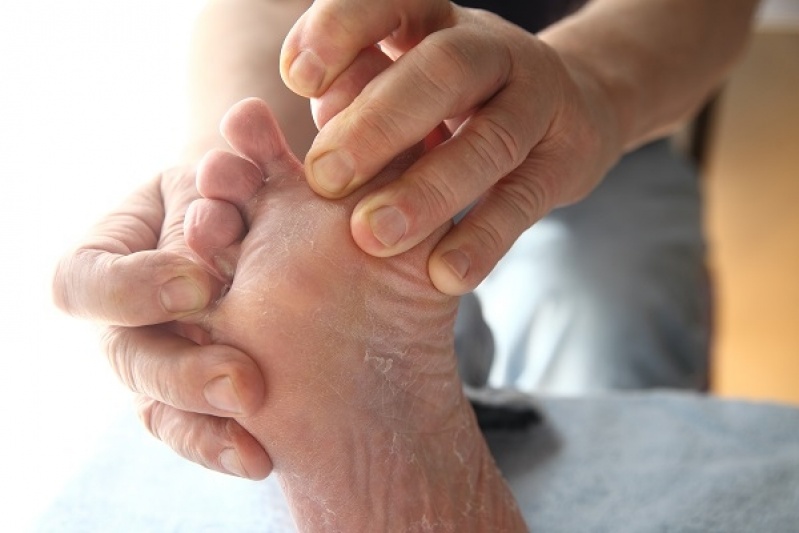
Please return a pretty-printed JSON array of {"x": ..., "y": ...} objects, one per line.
[{"x": 611, "y": 293}]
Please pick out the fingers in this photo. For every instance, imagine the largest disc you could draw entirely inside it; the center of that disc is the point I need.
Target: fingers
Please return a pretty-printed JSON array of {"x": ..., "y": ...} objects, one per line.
[
  {"x": 213, "y": 231},
  {"x": 116, "y": 276},
  {"x": 487, "y": 147},
  {"x": 173, "y": 370},
  {"x": 471, "y": 249},
  {"x": 215, "y": 443},
  {"x": 449, "y": 74},
  {"x": 330, "y": 35},
  {"x": 369, "y": 63}
]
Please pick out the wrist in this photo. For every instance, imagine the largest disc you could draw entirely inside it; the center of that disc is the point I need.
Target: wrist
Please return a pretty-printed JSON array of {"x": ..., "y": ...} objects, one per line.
[{"x": 606, "y": 92}]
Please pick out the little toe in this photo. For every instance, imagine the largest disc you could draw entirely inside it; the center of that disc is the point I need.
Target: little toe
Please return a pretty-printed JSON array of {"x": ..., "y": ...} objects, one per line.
[{"x": 213, "y": 230}]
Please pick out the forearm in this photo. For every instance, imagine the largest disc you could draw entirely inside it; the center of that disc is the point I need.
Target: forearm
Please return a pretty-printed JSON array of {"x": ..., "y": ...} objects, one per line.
[
  {"x": 655, "y": 61},
  {"x": 234, "y": 54}
]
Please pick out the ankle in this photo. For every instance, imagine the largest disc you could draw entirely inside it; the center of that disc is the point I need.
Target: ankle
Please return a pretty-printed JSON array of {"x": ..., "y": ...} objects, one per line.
[{"x": 381, "y": 479}]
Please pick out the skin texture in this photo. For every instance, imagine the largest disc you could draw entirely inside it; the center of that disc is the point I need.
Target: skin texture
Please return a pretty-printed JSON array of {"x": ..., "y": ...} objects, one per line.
[
  {"x": 607, "y": 79},
  {"x": 120, "y": 275},
  {"x": 536, "y": 121},
  {"x": 364, "y": 417},
  {"x": 116, "y": 275}
]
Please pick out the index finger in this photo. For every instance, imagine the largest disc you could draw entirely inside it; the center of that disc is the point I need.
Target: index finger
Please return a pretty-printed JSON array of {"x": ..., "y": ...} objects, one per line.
[
  {"x": 117, "y": 276},
  {"x": 328, "y": 37}
]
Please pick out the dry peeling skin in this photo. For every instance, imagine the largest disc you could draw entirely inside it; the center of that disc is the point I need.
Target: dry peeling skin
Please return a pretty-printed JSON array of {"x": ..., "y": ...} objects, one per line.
[{"x": 357, "y": 353}]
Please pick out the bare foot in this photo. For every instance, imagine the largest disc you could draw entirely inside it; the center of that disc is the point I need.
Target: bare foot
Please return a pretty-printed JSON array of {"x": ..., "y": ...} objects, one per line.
[
  {"x": 364, "y": 419},
  {"x": 214, "y": 229}
]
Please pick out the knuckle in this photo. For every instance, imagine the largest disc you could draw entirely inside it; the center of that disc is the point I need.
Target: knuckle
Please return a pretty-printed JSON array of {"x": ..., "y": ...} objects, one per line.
[
  {"x": 141, "y": 372},
  {"x": 69, "y": 284},
  {"x": 191, "y": 443},
  {"x": 336, "y": 23},
  {"x": 176, "y": 183},
  {"x": 113, "y": 302},
  {"x": 172, "y": 232},
  {"x": 62, "y": 284},
  {"x": 495, "y": 146},
  {"x": 196, "y": 439},
  {"x": 487, "y": 235},
  {"x": 169, "y": 390},
  {"x": 116, "y": 343},
  {"x": 436, "y": 195},
  {"x": 376, "y": 129},
  {"x": 443, "y": 69},
  {"x": 201, "y": 439},
  {"x": 524, "y": 199},
  {"x": 519, "y": 202},
  {"x": 149, "y": 412}
]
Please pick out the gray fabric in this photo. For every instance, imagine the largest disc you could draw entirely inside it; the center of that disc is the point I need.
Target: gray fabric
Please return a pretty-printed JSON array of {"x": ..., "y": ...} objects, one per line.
[
  {"x": 636, "y": 462},
  {"x": 474, "y": 343},
  {"x": 610, "y": 293},
  {"x": 656, "y": 462}
]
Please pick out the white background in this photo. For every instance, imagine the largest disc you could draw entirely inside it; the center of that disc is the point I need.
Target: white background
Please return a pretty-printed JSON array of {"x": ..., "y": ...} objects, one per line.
[{"x": 90, "y": 107}]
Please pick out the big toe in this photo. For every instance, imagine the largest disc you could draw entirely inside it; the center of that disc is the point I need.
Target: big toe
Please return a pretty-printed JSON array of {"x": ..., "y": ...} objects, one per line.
[{"x": 252, "y": 131}]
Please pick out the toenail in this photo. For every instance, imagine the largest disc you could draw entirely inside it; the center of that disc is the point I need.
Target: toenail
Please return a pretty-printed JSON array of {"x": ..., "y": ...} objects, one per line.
[
  {"x": 458, "y": 262},
  {"x": 231, "y": 462},
  {"x": 181, "y": 295},
  {"x": 388, "y": 225},
  {"x": 221, "y": 394},
  {"x": 333, "y": 171},
  {"x": 307, "y": 72}
]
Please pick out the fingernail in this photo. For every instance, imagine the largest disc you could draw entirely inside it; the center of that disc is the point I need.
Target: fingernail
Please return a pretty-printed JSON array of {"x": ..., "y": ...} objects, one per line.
[
  {"x": 231, "y": 462},
  {"x": 181, "y": 295},
  {"x": 333, "y": 171},
  {"x": 458, "y": 262},
  {"x": 388, "y": 225},
  {"x": 307, "y": 72},
  {"x": 221, "y": 394}
]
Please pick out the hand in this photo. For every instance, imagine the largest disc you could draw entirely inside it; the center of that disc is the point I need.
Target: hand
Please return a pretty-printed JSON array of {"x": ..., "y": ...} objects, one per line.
[
  {"x": 135, "y": 274},
  {"x": 530, "y": 129}
]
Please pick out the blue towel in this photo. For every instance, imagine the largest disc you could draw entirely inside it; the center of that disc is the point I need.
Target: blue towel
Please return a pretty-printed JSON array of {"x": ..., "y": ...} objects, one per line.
[{"x": 633, "y": 462}]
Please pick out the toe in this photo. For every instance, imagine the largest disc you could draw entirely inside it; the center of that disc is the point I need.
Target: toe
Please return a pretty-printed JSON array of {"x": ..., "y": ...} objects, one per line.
[
  {"x": 225, "y": 176},
  {"x": 213, "y": 230},
  {"x": 252, "y": 131}
]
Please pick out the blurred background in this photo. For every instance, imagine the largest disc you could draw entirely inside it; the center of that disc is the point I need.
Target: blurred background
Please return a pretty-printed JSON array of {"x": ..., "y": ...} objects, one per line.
[
  {"x": 90, "y": 107},
  {"x": 751, "y": 177}
]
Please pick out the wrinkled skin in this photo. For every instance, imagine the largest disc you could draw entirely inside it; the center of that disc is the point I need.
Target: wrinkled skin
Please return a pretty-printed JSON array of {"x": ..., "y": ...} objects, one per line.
[{"x": 362, "y": 395}]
